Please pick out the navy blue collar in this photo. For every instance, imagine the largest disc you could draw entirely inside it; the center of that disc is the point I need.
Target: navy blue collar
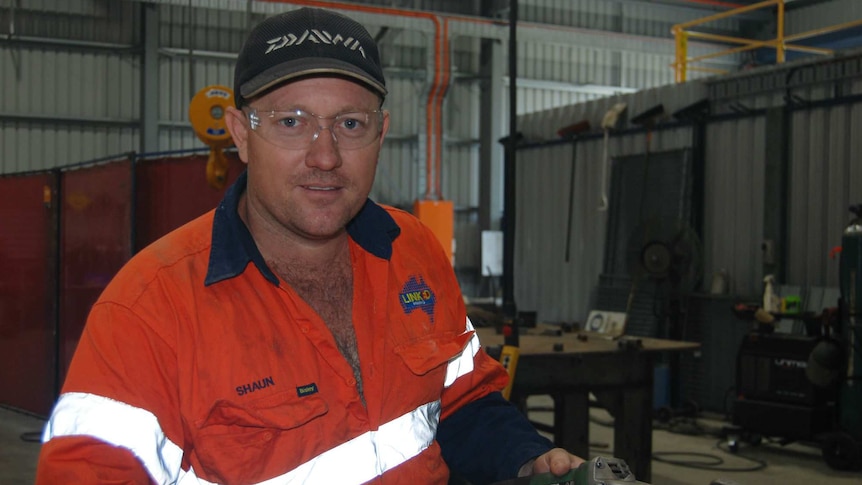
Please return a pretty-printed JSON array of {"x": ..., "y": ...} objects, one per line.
[{"x": 373, "y": 229}]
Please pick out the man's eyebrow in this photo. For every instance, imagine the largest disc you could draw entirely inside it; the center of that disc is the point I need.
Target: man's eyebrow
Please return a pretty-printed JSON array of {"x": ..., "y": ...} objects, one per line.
[{"x": 285, "y": 108}]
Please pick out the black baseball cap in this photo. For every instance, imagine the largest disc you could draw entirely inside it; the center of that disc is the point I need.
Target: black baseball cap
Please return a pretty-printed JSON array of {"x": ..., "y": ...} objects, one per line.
[{"x": 306, "y": 42}]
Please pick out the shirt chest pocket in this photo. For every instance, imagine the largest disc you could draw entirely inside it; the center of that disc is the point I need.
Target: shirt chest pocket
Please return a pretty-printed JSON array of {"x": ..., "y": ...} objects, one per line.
[
  {"x": 432, "y": 357},
  {"x": 235, "y": 439}
]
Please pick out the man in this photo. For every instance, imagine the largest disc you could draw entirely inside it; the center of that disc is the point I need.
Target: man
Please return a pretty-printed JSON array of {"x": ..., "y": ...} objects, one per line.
[{"x": 299, "y": 333}]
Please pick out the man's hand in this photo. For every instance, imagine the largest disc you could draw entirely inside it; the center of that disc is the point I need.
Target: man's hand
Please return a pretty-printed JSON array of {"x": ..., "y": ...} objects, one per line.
[{"x": 557, "y": 461}]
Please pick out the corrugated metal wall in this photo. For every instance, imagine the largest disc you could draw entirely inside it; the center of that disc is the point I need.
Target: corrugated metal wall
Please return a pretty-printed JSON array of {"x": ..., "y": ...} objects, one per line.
[
  {"x": 825, "y": 178},
  {"x": 84, "y": 69},
  {"x": 816, "y": 16},
  {"x": 733, "y": 202},
  {"x": 70, "y": 83},
  {"x": 72, "y": 74},
  {"x": 824, "y": 161},
  {"x": 560, "y": 290},
  {"x": 545, "y": 281},
  {"x": 824, "y": 174}
]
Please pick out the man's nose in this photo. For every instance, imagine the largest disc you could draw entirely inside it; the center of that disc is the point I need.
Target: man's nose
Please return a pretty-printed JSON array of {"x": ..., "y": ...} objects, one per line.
[{"x": 323, "y": 151}]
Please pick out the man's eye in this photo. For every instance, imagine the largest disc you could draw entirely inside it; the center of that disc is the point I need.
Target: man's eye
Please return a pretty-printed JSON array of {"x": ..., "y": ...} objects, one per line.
[
  {"x": 351, "y": 122},
  {"x": 289, "y": 122}
]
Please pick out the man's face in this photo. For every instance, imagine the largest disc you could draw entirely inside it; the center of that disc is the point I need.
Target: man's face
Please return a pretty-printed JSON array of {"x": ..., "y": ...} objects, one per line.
[{"x": 309, "y": 192}]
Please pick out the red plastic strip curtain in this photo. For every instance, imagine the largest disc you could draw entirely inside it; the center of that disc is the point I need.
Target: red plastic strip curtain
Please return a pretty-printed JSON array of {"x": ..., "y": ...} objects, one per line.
[
  {"x": 95, "y": 243},
  {"x": 173, "y": 191},
  {"x": 27, "y": 292}
]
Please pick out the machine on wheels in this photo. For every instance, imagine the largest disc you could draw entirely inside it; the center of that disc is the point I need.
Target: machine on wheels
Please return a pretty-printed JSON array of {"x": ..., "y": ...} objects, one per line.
[
  {"x": 773, "y": 395},
  {"x": 809, "y": 387},
  {"x": 842, "y": 448}
]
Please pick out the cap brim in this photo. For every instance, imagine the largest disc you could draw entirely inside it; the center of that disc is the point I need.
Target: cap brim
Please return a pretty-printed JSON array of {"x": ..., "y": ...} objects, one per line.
[{"x": 307, "y": 67}]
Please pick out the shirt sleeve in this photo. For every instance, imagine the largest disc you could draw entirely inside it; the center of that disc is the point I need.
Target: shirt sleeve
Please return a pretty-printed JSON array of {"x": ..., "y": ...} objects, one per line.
[
  {"x": 488, "y": 440},
  {"x": 116, "y": 419},
  {"x": 78, "y": 459}
]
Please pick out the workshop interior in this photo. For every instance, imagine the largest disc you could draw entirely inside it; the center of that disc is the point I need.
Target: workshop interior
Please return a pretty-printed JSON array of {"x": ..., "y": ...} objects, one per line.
[{"x": 653, "y": 207}]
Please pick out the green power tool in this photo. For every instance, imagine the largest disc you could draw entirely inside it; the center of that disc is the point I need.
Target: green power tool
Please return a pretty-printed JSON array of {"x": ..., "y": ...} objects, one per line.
[{"x": 598, "y": 471}]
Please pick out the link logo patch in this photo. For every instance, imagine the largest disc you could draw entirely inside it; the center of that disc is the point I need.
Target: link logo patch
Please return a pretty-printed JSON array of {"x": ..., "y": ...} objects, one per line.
[{"x": 416, "y": 295}]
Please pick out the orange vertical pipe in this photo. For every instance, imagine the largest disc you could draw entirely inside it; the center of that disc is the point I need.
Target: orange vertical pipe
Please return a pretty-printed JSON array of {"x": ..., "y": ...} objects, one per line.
[
  {"x": 444, "y": 86},
  {"x": 429, "y": 114}
]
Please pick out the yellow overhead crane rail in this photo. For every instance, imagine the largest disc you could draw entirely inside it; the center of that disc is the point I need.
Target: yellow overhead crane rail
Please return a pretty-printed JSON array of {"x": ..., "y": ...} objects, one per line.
[{"x": 682, "y": 64}]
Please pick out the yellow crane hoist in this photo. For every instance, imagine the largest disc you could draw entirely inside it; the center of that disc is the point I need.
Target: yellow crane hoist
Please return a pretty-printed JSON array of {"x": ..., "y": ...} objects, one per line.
[{"x": 207, "y": 115}]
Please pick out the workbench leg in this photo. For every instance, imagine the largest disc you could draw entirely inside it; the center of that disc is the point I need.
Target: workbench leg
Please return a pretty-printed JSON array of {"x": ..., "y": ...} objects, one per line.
[
  {"x": 633, "y": 428},
  {"x": 572, "y": 422}
]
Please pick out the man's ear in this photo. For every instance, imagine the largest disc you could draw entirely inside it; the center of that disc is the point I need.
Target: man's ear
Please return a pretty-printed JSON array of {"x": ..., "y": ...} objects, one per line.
[
  {"x": 238, "y": 127},
  {"x": 384, "y": 129}
]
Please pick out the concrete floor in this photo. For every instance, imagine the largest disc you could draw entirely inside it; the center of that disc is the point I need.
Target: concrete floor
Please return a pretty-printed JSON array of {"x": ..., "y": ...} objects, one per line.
[
  {"x": 794, "y": 464},
  {"x": 18, "y": 456}
]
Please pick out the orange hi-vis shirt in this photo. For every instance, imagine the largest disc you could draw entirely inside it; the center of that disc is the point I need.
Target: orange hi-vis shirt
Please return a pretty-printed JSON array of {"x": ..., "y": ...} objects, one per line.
[{"x": 198, "y": 365}]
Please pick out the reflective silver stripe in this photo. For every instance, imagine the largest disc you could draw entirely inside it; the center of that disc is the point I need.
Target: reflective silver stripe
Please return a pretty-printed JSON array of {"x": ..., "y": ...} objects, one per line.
[
  {"x": 370, "y": 454},
  {"x": 189, "y": 478},
  {"x": 462, "y": 364},
  {"x": 117, "y": 423},
  {"x": 352, "y": 463}
]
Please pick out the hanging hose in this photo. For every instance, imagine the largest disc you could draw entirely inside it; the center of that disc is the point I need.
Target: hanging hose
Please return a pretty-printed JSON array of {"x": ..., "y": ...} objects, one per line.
[
  {"x": 603, "y": 206},
  {"x": 609, "y": 121}
]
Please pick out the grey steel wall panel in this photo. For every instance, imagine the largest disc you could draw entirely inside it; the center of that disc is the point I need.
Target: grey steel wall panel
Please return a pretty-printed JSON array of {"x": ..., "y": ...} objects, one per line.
[
  {"x": 649, "y": 18},
  {"x": 824, "y": 159},
  {"x": 96, "y": 88},
  {"x": 544, "y": 125},
  {"x": 822, "y": 14},
  {"x": 181, "y": 79},
  {"x": 558, "y": 290},
  {"x": 204, "y": 29},
  {"x": 733, "y": 203},
  {"x": 638, "y": 17},
  {"x": 566, "y": 63},
  {"x": 68, "y": 84},
  {"x": 461, "y": 112},
  {"x": 646, "y": 70},
  {"x": 538, "y": 99},
  {"x": 544, "y": 282},
  {"x": 26, "y": 146},
  {"x": 460, "y": 169},
  {"x": 824, "y": 180},
  {"x": 398, "y": 175},
  {"x": 468, "y": 248},
  {"x": 178, "y": 138},
  {"x": 406, "y": 102},
  {"x": 812, "y": 79},
  {"x": 65, "y": 105},
  {"x": 213, "y": 30},
  {"x": 80, "y": 20}
]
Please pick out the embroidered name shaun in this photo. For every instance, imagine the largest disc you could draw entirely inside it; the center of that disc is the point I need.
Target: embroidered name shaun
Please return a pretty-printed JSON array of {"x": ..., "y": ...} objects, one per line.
[
  {"x": 255, "y": 386},
  {"x": 316, "y": 36},
  {"x": 416, "y": 295}
]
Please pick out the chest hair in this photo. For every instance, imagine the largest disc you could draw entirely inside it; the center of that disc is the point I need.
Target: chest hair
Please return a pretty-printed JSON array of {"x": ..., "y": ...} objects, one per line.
[{"x": 329, "y": 291}]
